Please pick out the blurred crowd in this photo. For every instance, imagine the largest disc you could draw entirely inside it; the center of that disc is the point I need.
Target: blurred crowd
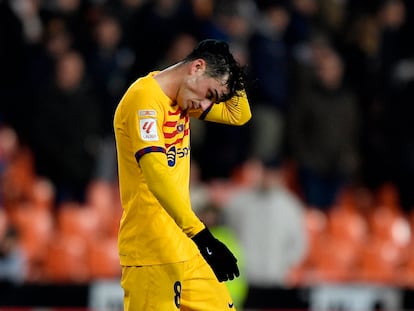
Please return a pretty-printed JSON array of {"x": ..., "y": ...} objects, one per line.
[{"x": 330, "y": 85}]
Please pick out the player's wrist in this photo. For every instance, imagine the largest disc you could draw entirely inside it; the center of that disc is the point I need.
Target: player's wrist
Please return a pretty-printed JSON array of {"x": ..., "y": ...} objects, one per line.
[{"x": 203, "y": 237}]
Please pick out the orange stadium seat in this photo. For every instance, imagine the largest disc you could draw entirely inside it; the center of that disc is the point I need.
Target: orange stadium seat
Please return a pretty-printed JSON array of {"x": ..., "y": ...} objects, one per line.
[
  {"x": 66, "y": 260},
  {"x": 387, "y": 195},
  {"x": 316, "y": 223},
  {"x": 406, "y": 272},
  {"x": 36, "y": 229},
  {"x": 346, "y": 223},
  {"x": 103, "y": 259},
  {"x": 316, "y": 226},
  {"x": 4, "y": 222},
  {"x": 392, "y": 228},
  {"x": 334, "y": 260},
  {"x": 379, "y": 262},
  {"x": 18, "y": 179},
  {"x": 390, "y": 224},
  {"x": 77, "y": 220},
  {"x": 103, "y": 197},
  {"x": 390, "y": 238},
  {"x": 405, "y": 277}
]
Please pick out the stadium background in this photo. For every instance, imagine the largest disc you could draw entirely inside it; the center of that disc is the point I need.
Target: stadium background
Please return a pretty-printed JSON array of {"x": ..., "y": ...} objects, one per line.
[{"x": 61, "y": 209}]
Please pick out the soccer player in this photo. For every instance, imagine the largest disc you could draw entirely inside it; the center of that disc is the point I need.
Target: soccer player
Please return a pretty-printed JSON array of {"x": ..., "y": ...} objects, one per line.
[{"x": 169, "y": 258}]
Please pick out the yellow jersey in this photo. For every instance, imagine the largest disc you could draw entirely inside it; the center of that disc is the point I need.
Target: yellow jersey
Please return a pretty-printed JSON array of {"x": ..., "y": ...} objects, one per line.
[{"x": 153, "y": 149}]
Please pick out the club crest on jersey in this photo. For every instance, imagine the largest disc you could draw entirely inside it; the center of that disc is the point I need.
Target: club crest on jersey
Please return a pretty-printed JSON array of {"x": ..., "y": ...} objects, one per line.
[
  {"x": 148, "y": 129},
  {"x": 180, "y": 127}
]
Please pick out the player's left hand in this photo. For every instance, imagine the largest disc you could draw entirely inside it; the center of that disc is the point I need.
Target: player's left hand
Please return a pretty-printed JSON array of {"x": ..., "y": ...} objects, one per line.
[{"x": 217, "y": 255}]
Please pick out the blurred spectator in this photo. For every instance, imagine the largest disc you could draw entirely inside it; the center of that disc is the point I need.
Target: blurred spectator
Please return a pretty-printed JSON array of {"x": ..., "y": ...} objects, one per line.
[
  {"x": 12, "y": 258},
  {"x": 13, "y": 64},
  {"x": 43, "y": 55},
  {"x": 268, "y": 220},
  {"x": 400, "y": 128},
  {"x": 181, "y": 45},
  {"x": 28, "y": 12},
  {"x": 231, "y": 21},
  {"x": 324, "y": 127},
  {"x": 373, "y": 47},
  {"x": 75, "y": 14},
  {"x": 153, "y": 27},
  {"x": 56, "y": 40},
  {"x": 269, "y": 64},
  {"x": 16, "y": 170},
  {"x": 123, "y": 10},
  {"x": 8, "y": 148},
  {"x": 302, "y": 24},
  {"x": 390, "y": 16},
  {"x": 67, "y": 129},
  {"x": 332, "y": 17},
  {"x": 109, "y": 62}
]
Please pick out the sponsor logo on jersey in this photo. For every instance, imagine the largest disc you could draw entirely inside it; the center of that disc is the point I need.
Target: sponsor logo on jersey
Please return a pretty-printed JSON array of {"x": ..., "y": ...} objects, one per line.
[
  {"x": 174, "y": 153},
  {"x": 171, "y": 156},
  {"x": 148, "y": 129}
]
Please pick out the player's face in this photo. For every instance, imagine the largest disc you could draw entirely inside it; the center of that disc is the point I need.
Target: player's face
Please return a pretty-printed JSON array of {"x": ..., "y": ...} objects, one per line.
[{"x": 201, "y": 91}]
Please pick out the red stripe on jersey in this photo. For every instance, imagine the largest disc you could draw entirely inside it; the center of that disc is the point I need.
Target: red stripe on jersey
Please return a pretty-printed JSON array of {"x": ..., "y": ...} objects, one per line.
[
  {"x": 175, "y": 133},
  {"x": 170, "y": 123}
]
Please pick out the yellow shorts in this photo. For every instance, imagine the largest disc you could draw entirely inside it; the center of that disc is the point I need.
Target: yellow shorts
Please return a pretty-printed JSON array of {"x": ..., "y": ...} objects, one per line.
[{"x": 188, "y": 286}]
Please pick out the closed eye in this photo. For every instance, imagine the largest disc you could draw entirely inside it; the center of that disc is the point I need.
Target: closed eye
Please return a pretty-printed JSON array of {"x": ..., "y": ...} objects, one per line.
[{"x": 213, "y": 96}]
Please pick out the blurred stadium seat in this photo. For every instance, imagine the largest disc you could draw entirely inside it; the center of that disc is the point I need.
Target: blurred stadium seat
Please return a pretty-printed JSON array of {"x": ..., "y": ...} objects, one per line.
[
  {"x": 378, "y": 262},
  {"x": 18, "y": 179},
  {"x": 346, "y": 223},
  {"x": 334, "y": 261},
  {"x": 66, "y": 260},
  {"x": 316, "y": 227},
  {"x": 103, "y": 197},
  {"x": 36, "y": 229},
  {"x": 74, "y": 219},
  {"x": 103, "y": 259}
]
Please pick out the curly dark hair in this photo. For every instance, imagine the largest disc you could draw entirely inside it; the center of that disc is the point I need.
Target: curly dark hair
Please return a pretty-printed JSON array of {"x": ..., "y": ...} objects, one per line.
[{"x": 220, "y": 62}]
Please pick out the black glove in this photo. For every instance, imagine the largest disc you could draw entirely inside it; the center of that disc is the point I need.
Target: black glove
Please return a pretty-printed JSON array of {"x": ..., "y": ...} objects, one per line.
[{"x": 217, "y": 255}]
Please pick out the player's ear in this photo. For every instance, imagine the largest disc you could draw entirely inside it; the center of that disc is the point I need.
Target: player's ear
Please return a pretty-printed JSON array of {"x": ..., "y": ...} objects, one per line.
[{"x": 198, "y": 66}]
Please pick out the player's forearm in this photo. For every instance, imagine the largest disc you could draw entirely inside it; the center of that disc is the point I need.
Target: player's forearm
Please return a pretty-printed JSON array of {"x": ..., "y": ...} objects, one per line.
[
  {"x": 168, "y": 194},
  {"x": 235, "y": 111},
  {"x": 238, "y": 109}
]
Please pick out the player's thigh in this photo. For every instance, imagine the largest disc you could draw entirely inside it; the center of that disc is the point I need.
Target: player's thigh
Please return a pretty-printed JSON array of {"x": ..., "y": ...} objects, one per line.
[
  {"x": 152, "y": 288},
  {"x": 200, "y": 289}
]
